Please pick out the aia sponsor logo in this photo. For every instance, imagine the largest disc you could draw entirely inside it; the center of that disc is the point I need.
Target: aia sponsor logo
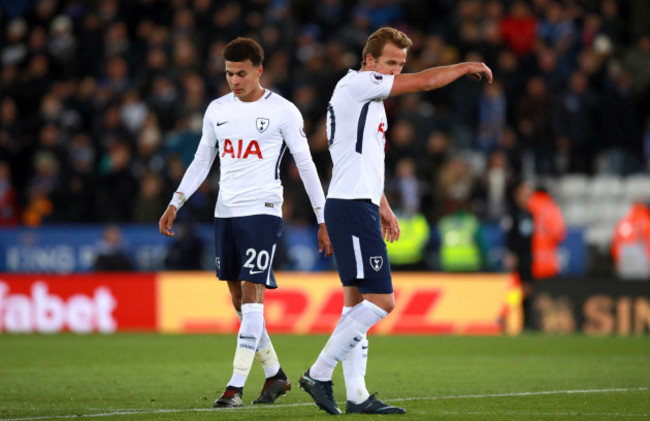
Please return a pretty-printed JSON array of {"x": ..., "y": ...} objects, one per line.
[
  {"x": 239, "y": 150},
  {"x": 382, "y": 129}
]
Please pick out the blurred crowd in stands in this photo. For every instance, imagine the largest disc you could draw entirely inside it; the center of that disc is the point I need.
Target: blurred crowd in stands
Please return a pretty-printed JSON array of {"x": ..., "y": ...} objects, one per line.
[{"x": 101, "y": 101}]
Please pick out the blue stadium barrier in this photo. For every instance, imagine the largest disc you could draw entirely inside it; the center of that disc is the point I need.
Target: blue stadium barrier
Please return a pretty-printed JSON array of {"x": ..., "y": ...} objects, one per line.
[{"x": 72, "y": 248}]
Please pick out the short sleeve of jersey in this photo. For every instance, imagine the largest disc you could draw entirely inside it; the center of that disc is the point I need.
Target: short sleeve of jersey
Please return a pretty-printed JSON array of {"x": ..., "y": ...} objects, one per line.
[
  {"x": 293, "y": 130},
  {"x": 367, "y": 86}
]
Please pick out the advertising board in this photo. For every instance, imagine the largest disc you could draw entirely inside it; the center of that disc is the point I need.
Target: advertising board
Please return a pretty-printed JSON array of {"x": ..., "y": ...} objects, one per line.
[
  {"x": 196, "y": 302},
  {"x": 428, "y": 303},
  {"x": 594, "y": 306},
  {"x": 103, "y": 303}
]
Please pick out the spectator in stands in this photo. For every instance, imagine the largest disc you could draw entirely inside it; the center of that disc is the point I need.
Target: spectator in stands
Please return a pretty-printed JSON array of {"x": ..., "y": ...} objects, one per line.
[
  {"x": 519, "y": 28},
  {"x": 116, "y": 182},
  {"x": 462, "y": 241},
  {"x": 532, "y": 118},
  {"x": 495, "y": 183},
  {"x": 617, "y": 112},
  {"x": 637, "y": 61},
  {"x": 44, "y": 188},
  {"x": 511, "y": 146},
  {"x": 437, "y": 153},
  {"x": 111, "y": 253},
  {"x": 558, "y": 31},
  {"x": 149, "y": 202},
  {"x": 186, "y": 250},
  {"x": 77, "y": 197},
  {"x": 517, "y": 225},
  {"x": 491, "y": 116},
  {"x": 401, "y": 144},
  {"x": 574, "y": 122},
  {"x": 631, "y": 243},
  {"x": 458, "y": 185},
  {"x": 548, "y": 232},
  {"x": 409, "y": 252},
  {"x": 9, "y": 212},
  {"x": 509, "y": 73},
  {"x": 613, "y": 24},
  {"x": 62, "y": 46},
  {"x": 34, "y": 83},
  {"x": 14, "y": 52},
  {"x": 551, "y": 69}
]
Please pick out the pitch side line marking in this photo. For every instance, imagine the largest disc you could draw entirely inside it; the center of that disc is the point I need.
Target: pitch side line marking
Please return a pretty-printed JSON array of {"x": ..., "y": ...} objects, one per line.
[
  {"x": 289, "y": 405},
  {"x": 505, "y": 395},
  {"x": 553, "y": 414}
]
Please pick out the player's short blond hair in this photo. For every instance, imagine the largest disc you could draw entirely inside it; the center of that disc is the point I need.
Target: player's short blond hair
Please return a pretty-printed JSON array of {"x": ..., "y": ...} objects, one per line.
[{"x": 379, "y": 38}]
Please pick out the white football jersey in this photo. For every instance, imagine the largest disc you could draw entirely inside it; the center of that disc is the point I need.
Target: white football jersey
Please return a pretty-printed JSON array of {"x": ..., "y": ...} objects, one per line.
[
  {"x": 251, "y": 138},
  {"x": 356, "y": 127}
]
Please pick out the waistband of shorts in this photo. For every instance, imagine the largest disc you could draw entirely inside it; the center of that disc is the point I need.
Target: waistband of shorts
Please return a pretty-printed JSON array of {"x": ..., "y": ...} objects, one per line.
[{"x": 368, "y": 201}]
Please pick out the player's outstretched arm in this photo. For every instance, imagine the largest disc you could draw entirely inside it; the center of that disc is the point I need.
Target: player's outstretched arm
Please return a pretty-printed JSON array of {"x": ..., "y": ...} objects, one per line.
[
  {"x": 389, "y": 222},
  {"x": 167, "y": 221},
  {"x": 324, "y": 241},
  {"x": 437, "y": 77}
]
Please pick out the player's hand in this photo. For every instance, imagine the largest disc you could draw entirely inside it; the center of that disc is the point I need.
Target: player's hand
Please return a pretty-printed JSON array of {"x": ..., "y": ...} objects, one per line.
[
  {"x": 389, "y": 224},
  {"x": 475, "y": 70},
  {"x": 324, "y": 241},
  {"x": 167, "y": 221}
]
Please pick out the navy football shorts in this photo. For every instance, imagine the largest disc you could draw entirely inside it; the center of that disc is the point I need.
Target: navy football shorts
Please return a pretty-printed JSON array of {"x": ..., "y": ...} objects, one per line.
[
  {"x": 245, "y": 247},
  {"x": 354, "y": 228}
]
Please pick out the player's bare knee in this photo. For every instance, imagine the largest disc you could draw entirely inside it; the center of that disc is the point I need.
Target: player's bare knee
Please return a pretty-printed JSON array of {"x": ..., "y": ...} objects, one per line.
[
  {"x": 388, "y": 306},
  {"x": 384, "y": 301},
  {"x": 387, "y": 303}
]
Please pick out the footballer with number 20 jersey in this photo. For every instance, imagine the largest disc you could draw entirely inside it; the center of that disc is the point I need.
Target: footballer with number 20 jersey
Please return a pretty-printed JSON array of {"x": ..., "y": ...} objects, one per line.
[
  {"x": 357, "y": 144},
  {"x": 250, "y": 139}
]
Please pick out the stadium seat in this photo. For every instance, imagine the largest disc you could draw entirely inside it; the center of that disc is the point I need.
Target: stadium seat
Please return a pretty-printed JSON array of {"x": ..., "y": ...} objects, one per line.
[
  {"x": 599, "y": 236},
  {"x": 572, "y": 187},
  {"x": 548, "y": 182},
  {"x": 608, "y": 213},
  {"x": 577, "y": 213},
  {"x": 637, "y": 187},
  {"x": 605, "y": 188}
]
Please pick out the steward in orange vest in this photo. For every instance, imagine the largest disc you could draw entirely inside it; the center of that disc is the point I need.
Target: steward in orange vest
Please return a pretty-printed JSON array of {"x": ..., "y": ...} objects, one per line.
[
  {"x": 548, "y": 232},
  {"x": 631, "y": 243}
]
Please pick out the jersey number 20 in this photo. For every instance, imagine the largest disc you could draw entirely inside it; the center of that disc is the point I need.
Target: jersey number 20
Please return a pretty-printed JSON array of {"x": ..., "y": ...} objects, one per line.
[{"x": 262, "y": 260}]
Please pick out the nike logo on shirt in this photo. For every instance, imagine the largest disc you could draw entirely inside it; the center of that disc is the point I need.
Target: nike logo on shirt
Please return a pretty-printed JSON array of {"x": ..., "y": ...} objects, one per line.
[{"x": 220, "y": 123}]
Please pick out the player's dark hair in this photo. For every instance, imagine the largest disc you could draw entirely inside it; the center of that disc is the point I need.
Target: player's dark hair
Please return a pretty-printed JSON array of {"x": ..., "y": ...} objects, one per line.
[
  {"x": 242, "y": 49},
  {"x": 377, "y": 41}
]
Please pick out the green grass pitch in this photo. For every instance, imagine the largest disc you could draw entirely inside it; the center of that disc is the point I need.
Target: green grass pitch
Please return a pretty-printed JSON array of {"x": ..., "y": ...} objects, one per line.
[{"x": 177, "y": 377}]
